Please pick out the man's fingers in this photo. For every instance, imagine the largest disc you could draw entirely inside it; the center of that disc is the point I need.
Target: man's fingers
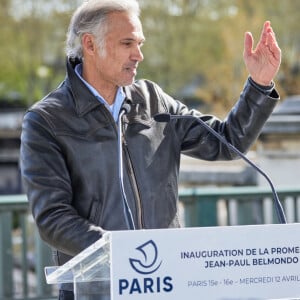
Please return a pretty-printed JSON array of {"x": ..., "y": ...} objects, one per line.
[
  {"x": 267, "y": 25},
  {"x": 265, "y": 32},
  {"x": 273, "y": 46},
  {"x": 248, "y": 44}
]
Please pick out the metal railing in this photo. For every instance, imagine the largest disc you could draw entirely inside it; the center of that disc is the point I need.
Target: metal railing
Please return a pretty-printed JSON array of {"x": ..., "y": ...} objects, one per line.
[
  {"x": 237, "y": 205},
  {"x": 23, "y": 255}
]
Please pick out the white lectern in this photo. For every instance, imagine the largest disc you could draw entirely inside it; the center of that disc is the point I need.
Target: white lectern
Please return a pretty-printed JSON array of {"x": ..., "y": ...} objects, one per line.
[{"x": 211, "y": 263}]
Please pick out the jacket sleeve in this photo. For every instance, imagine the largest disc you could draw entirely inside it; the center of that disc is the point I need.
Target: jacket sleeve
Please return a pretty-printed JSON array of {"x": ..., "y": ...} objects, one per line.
[
  {"x": 240, "y": 128},
  {"x": 49, "y": 189}
]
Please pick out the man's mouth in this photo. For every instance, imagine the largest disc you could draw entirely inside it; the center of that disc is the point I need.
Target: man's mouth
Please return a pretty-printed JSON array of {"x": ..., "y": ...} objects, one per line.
[{"x": 132, "y": 69}]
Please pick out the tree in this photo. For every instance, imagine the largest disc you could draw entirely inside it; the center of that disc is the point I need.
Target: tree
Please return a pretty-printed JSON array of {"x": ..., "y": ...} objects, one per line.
[
  {"x": 186, "y": 39},
  {"x": 33, "y": 33}
]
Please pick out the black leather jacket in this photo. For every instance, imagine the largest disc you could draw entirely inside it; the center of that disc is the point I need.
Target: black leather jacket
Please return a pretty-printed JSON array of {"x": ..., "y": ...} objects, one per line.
[{"x": 70, "y": 167}]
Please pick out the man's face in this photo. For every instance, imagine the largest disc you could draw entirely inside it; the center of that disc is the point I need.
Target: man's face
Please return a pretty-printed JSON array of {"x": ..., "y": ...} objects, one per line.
[{"x": 123, "y": 41}]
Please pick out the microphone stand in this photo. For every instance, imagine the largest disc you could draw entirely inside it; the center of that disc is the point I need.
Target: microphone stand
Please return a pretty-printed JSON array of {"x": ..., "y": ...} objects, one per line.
[{"x": 166, "y": 117}]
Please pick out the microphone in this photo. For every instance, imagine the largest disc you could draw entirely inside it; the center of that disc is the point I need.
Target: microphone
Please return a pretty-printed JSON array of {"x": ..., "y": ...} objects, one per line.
[
  {"x": 166, "y": 117},
  {"x": 125, "y": 109}
]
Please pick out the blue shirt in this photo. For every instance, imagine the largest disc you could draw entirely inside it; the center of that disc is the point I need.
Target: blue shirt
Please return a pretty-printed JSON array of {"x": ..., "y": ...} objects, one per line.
[{"x": 120, "y": 96}]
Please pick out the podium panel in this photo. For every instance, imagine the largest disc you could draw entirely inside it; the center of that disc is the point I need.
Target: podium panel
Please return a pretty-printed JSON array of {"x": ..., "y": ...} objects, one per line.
[
  {"x": 89, "y": 272},
  {"x": 211, "y": 263}
]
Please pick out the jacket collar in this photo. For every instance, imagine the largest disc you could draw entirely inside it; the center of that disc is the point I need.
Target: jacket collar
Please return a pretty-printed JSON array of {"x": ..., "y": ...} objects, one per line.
[{"x": 84, "y": 100}]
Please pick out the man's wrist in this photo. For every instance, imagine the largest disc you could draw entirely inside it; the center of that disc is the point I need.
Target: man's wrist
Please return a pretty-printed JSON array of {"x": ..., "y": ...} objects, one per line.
[{"x": 263, "y": 88}]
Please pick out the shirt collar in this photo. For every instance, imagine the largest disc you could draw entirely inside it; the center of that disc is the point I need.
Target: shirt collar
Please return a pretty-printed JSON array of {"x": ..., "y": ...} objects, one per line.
[{"x": 120, "y": 96}]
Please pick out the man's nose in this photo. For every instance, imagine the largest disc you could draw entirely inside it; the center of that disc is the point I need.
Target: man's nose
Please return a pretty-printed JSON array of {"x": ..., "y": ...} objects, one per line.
[{"x": 137, "y": 54}]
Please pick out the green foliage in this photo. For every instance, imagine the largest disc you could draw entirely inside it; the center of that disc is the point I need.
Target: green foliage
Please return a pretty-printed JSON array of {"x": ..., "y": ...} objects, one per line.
[
  {"x": 185, "y": 39},
  {"x": 31, "y": 43}
]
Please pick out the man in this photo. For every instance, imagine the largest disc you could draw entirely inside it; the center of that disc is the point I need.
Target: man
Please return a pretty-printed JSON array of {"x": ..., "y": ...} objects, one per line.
[{"x": 69, "y": 149}]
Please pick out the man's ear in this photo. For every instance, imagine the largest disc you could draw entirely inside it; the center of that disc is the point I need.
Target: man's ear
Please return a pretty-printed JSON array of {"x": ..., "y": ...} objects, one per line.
[{"x": 88, "y": 43}]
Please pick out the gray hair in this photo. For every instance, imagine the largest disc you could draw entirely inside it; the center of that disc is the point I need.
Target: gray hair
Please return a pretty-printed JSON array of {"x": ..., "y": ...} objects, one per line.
[{"x": 91, "y": 17}]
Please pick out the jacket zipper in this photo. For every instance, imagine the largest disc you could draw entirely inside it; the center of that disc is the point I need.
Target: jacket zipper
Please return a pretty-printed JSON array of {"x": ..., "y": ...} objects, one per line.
[
  {"x": 131, "y": 174},
  {"x": 134, "y": 183}
]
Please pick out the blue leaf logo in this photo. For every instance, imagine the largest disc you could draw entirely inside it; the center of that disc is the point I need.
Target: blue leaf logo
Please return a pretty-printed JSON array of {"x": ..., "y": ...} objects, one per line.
[{"x": 147, "y": 264}]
